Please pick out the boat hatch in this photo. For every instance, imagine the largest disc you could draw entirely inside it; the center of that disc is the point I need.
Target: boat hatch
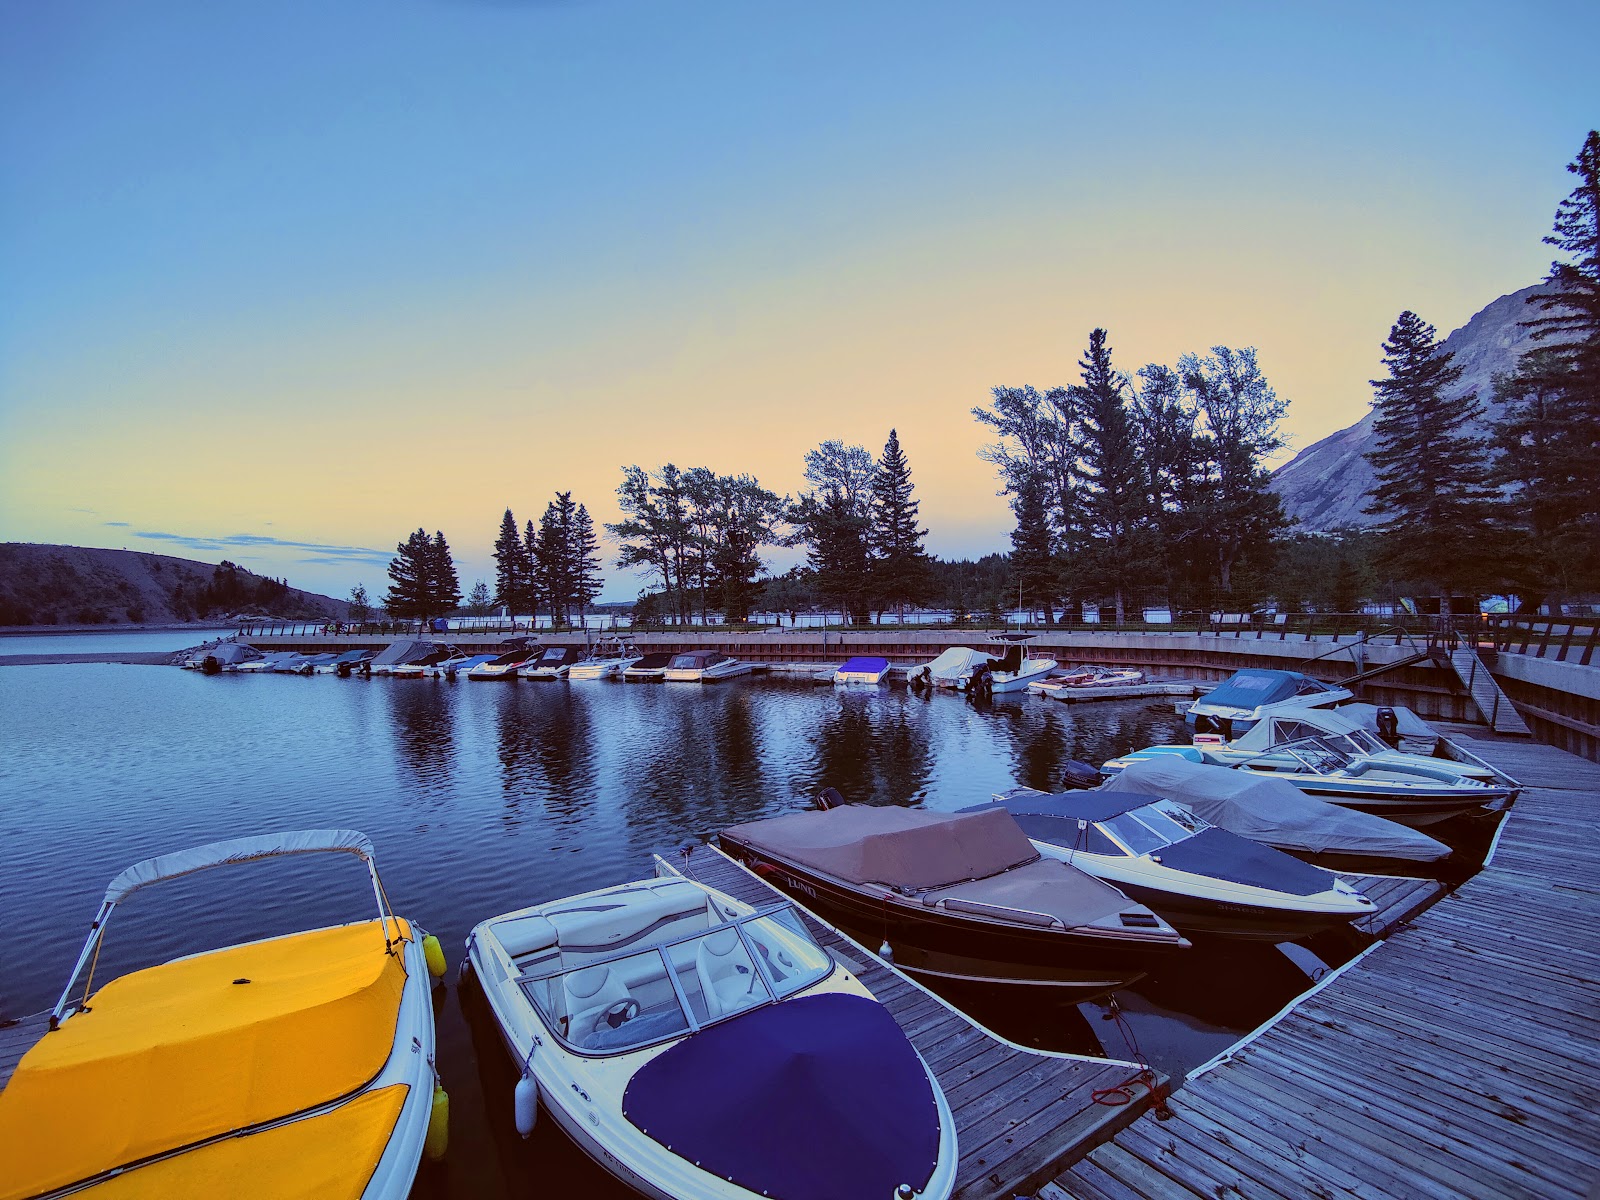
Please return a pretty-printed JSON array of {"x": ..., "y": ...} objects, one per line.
[{"x": 634, "y": 998}]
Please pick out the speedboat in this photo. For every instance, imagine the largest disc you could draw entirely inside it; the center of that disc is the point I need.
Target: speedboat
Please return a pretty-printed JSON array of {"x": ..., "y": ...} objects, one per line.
[
  {"x": 506, "y": 665},
  {"x": 314, "y": 664},
  {"x": 612, "y": 656},
  {"x": 965, "y": 885},
  {"x": 701, "y": 1049},
  {"x": 293, "y": 664},
  {"x": 867, "y": 670},
  {"x": 459, "y": 666},
  {"x": 295, "y": 1066},
  {"x": 1237, "y": 703},
  {"x": 1085, "y": 678},
  {"x": 1203, "y": 879},
  {"x": 398, "y": 654},
  {"x": 947, "y": 670},
  {"x": 435, "y": 664},
  {"x": 346, "y": 664},
  {"x": 553, "y": 662},
  {"x": 267, "y": 662},
  {"x": 1412, "y": 795},
  {"x": 703, "y": 666},
  {"x": 649, "y": 668},
  {"x": 1012, "y": 671},
  {"x": 225, "y": 656}
]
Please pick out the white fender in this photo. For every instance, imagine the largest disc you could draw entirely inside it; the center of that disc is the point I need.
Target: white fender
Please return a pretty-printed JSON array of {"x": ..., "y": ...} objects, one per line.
[{"x": 527, "y": 1104}]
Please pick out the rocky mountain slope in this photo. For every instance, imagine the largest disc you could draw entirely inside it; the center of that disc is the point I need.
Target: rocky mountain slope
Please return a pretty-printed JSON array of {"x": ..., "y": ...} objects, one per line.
[
  {"x": 55, "y": 585},
  {"x": 1326, "y": 485}
]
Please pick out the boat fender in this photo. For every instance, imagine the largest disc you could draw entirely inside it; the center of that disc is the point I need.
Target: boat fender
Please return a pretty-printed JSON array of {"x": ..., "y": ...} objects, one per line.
[
  {"x": 438, "y": 1139},
  {"x": 886, "y": 951},
  {"x": 526, "y": 1104},
  {"x": 434, "y": 954}
]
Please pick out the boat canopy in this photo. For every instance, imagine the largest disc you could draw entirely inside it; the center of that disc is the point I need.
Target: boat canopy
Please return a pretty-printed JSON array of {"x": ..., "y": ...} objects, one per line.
[
  {"x": 653, "y": 662},
  {"x": 232, "y": 652},
  {"x": 236, "y": 850},
  {"x": 814, "y": 1098},
  {"x": 1252, "y": 687},
  {"x": 1272, "y": 811},
  {"x": 899, "y": 847},
  {"x": 696, "y": 660},
  {"x": 1366, "y": 716},
  {"x": 401, "y": 651},
  {"x": 863, "y": 665},
  {"x": 956, "y": 661}
]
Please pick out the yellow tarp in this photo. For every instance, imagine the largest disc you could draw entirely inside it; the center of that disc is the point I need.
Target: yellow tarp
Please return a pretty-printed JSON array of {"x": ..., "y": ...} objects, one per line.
[
  {"x": 174, "y": 1054},
  {"x": 330, "y": 1157}
]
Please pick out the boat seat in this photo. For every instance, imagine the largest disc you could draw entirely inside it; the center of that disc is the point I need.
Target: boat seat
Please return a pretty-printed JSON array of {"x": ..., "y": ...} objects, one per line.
[
  {"x": 522, "y": 936},
  {"x": 726, "y": 974},
  {"x": 589, "y": 993},
  {"x": 603, "y": 924}
]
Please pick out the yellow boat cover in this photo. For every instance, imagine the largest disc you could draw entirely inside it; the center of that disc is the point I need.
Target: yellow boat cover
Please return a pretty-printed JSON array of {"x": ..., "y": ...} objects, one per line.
[{"x": 178, "y": 1053}]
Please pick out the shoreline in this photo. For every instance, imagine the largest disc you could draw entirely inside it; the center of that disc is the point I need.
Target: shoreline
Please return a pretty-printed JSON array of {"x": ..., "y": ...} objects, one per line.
[{"x": 157, "y": 658}]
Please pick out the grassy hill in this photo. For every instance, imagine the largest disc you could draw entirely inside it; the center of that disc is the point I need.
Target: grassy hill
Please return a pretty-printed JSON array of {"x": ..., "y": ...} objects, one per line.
[{"x": 77, "y": 585}]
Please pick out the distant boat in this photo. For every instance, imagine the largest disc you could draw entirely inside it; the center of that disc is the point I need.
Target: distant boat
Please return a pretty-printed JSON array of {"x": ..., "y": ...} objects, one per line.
[
  {"x": 397, "y": 653},
  {"x": 553, "y": 662},
  {"x": 433, "y": 664},
  {"x": 610, "y": 657},
  {"x": 867, "y": 670},
  {"x": 314, "y": 664},
  {"x": 506, "y": 666},
  {"x": 649, "y": 668},
  {"x": 1086, "y": 678},
  {"x": 225, "y": 656},
  {"x": 1012, "y": 671},
  {"x": 1237, "y": 703},
  {"x": 453, "y": 668},
  {"x": 349, "y": 663},
  {"x": 703, "y": 666},
  {"x": 268, "y": 662}
]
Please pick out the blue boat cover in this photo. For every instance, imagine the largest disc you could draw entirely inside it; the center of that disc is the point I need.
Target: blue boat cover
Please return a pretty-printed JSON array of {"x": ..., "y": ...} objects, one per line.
[
  {"x": 865, "y": 665},
  {"x": 816, "y": 1098},
  {"x": 1255, "y": 686}
]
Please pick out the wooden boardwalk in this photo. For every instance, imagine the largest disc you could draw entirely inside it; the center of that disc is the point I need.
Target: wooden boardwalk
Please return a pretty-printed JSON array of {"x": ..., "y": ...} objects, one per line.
[
  {"x": 16, "y": 1039},
  {"x": 1019, "y": 1113},
  {"x": 1461, "y": 1058}
]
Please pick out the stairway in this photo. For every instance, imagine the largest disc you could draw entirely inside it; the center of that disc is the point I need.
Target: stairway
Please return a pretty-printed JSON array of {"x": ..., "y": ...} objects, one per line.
[{"x": 1494, "y": 704}]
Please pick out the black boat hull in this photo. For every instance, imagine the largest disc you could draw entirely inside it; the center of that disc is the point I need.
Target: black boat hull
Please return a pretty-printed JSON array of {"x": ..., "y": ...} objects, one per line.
[{"x": 1239, "y": 922}]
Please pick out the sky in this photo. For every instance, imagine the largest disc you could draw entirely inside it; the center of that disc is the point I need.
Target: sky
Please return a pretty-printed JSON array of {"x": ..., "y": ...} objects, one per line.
[{"x": 282, "y": 282}]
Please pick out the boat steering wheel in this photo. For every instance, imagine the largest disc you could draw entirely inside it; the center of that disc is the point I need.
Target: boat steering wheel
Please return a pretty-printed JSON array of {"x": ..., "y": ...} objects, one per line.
[{"x": 619, "y": 1014}]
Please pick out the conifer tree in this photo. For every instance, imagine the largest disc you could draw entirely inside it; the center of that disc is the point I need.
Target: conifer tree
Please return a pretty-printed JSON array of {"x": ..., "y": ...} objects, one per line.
[
  {"x": 553, "y": 559},
  {"x": 835, "y": 520},
  {"x": 444, "y": 589},
  {"x": 510, "y": 566},
  {"x": 411, "y": 572},
  {"x": 585, "y": 569},
  {"x": 1431, "y": 470},
  {"x": 1033, "y": 574},
  {"x": 1116, "y": 504},
  {"x": 900, "y": 563},
  {"x": 532, "y": 593}
]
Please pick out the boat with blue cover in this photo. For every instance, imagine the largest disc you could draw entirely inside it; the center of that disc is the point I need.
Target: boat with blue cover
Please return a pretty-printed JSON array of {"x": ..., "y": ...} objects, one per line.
[
  {"x": 1239, "y": 701},
  {"x": 863, "y": 669},
  {"x": 1203, "y": 879},
  {"x": 699, "y": 1048}
]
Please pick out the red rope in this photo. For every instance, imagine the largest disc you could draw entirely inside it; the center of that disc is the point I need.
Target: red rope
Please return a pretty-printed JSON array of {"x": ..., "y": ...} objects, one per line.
[{"x": 1122, "y": 1093}]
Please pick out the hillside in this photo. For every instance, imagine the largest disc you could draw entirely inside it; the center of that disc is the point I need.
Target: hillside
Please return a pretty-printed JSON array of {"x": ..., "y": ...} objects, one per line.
[
  {"x": 1326, "y": 485},
  {"x": 77, "y": 585}
]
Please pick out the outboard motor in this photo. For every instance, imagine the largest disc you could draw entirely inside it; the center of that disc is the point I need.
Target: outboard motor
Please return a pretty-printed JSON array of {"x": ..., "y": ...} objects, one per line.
[
  {"x": 1388, "y": 727},
  {"x": 342, "y": 670},
  {"x": 1080, "y": 776},
  {"x": 211, "y": 666},
  {"x": 829, "y": 797}
]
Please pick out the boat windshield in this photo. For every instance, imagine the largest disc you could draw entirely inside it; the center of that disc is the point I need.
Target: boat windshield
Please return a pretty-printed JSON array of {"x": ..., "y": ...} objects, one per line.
[
  {"x": 636, "y": 999},
  {"x": 1318, "y": 754},
  {"x": 1133, "y": 833},
  {"x": 1148, "y": 829}
]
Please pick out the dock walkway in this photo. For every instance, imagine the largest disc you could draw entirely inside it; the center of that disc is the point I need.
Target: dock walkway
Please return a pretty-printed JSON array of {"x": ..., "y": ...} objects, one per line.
[
  {"x": 1019, "y": 1113},
  {"x": 1460, "y": 1058}
]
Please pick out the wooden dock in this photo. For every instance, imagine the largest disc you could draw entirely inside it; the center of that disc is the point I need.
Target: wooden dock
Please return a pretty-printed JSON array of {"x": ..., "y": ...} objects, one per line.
[
  {"x": 1019, "y": 1113},
  {"x": 1460, "y": 1058},
  {"x": 16, "y": 1039}
]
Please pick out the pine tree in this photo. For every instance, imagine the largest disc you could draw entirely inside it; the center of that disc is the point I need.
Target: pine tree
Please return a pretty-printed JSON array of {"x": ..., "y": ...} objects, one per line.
[
  {"x": 1033, "y": 574},
  {"x": 585, "y": 568},
  {"x": 532, "y": 594},
  {"x": 444, "y": 589},
  {"x": 509, "y": 588},
  {"x": 1431, "y": 486},
  {"x": 835, "y": 520},
  {"x": 1116, "y": 505},
  {"x": 553, "y": 557},
  {"x": 480, "y": 599},
  {"x": 411, "y": 573},
  {"x": 900, "y": 562}
]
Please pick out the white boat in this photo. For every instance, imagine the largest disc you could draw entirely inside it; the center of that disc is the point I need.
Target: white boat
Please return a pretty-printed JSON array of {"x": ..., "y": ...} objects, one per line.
[
  {"x": 442, "y": 659},
  {"x": 700, "y": 1049},
  {"x": 351, "y": 662},
  {"x": 225, "y": 656},
  {"x": 1086, "y": 678},
  {"x": 553, "y": 662},
  {"x": 948, "y": 669},
  {"x": 1012, "y": 671},
  {"x": 1202, "y": 879},
  {"x": 267, "y": 662},
  {"x": 703, "y": 666},
  {"x": 399, "y": 653},
  {"x": 611, "y": 657},
  {"x": 648, "y": 669},
  {"x": 1239, "y": 701},
  {"x": 506, "y": 665},
  {"x": 867, "y": 670},
  {"x": 294, "y": 1066}
]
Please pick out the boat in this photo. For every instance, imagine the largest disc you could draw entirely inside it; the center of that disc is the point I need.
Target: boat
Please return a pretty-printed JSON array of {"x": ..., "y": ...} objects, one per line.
[
  {"x": 506, "y": 666},
  {"x": 703, "y": 666},
  {"x": 267, "y": 662},
  {"x": 1204, "y": 880},
  {"x": 225, "y": 656},
  {"x": 948, "y": 669},
  {"x": 649, "y": 668},
  {"x": 1402, "y": 733},
  {"x": 553, "y": 662},
  {"x": 968, "y": 886},
  {"x": 1012, "y": 671},
  {"x": 1086, "y": 678},
  {"x": 294, "y": 1066},
  {"x": 867, "y": 670},
  {"x": 1236, "y": 704},
  {"x": 698, "y": 1048},
  {"x": 344, "y": 665},
  {"x": 1412, "y": 795},
  {"x": 1276, "y": 813},
  {"x": 399, "y": 653},
  {"x": 610, "y": 657},
  {"x": 434, "y": 664},
  {"x": 314, "y": 664},
  {"x": 461, "y": 666}
]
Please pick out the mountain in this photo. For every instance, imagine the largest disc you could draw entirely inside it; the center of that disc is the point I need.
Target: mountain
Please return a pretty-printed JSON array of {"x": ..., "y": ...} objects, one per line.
[
  {"x": 1326, "y": 485},
  {"x": 54, "y": 585}
]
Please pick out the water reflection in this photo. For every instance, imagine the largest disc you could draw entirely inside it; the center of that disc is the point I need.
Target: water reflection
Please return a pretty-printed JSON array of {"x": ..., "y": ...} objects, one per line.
[
  {"x": 422, "y": 714},
  {"x": 873, "y": 752}
]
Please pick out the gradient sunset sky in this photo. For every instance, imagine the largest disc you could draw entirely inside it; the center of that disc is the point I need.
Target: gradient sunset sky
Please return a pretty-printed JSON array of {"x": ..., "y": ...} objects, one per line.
[{"x": 280, "y": 282}]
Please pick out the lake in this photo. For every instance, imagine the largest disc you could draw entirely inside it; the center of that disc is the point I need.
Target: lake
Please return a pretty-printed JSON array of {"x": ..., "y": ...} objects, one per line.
[{"x": 485, "y": 797}]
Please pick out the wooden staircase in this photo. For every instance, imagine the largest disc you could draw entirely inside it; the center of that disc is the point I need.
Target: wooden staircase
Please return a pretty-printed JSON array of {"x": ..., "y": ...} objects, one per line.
[{"x": 1496, "y": 707}]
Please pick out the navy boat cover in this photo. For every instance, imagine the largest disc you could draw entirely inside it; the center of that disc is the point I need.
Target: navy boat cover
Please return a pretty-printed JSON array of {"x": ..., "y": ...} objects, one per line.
[
  {"x": 816, "y": 1098},
  {"x": 867, "y": 665}
]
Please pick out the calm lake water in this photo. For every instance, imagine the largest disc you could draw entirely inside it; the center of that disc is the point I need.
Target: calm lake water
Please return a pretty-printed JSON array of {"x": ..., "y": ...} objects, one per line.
[{"x": 485, "y": 797}]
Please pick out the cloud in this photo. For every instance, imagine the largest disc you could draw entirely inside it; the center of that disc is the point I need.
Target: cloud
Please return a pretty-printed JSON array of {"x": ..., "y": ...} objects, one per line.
[
  {"x": 324, "y": 554},
  {"x": 118, "y": 524},
  {"x": 91, "y": 511}
]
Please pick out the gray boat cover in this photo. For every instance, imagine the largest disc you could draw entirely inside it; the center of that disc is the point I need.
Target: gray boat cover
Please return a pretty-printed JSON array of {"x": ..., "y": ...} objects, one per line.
[
  {"x": 398, "y": 652},
  {"x": 236, "y": 850},
  {"x": 1366, "y": 716},
  {"x": 1273, "y": 811},
  {"x": 231, "y": 652},
  {"x": 897, "y": 847}
]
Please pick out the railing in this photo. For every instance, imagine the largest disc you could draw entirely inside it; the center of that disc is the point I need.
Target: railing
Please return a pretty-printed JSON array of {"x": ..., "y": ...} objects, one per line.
[{"x": 1561, "y": 639}]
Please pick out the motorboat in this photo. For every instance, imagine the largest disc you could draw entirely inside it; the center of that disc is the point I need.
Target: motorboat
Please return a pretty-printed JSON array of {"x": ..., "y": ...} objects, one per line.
[
  {"x": 506, "y": 666},
  {"x": 295, "y": 1066},
  {"x": 1203, "y": 879},
  {"x": 948, "y": 669},
  {"x": 964, "y": 885},
  {"x": 1236, "y": 704},
  {"x": 398, "y": 654},
  {"x": 699, "y": 1048},
  {"x": 649, "y": 668},
  {"x": 344, "y": 665},
  {"x": 267, "y": 662},
  {"x": 611, "y": 657},
  {"x": 703, "y": 666},
  {"x": 553, "y": 662},
  {"x": 1085, "y": 679},
  {"x": 461, "y": 666},
  {"x": 224, "y": 656},
  {"x": 1011, "y": 671},
  {"x": 1407, "y": 738},
  {"x": 291, "y": 664},
  {"x": 863, "y": 670},
  {"x": 435, "y": 664},
  {"x": 1276, "y": 813},
  {"x": 313, "y": 664},
  {"x": 1412, "y": 795}
]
